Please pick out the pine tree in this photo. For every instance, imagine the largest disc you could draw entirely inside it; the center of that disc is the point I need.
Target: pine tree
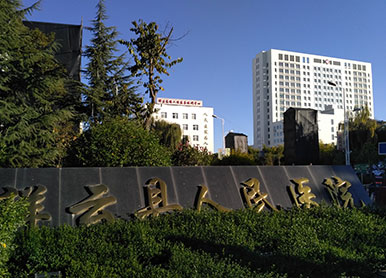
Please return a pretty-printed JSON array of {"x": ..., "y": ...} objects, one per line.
[
  {"x": 110, "y": 93},
  {"x": 33, "y": 92}
]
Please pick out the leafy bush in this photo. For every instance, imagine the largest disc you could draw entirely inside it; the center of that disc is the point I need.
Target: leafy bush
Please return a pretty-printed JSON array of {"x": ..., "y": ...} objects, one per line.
[
  {"x": 168, "y": 133},
  {"x": 318, "y": 242},
  {"x": 118, "y": 142},
  {"x": 329, "y": 155},
  {"x": 186, "y": 155},
  {"x": 236, "y": 158},
  {"x": 12, "y": 215}
]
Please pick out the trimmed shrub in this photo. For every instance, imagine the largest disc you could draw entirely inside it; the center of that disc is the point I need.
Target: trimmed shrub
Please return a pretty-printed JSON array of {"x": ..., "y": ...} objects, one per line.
[
  {"x": 318, "y": 242},
  {"x": 118, "y": 142}
]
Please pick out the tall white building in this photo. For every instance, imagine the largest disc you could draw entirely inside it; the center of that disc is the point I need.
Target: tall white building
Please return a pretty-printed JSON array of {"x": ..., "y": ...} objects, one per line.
[
  {"x": 284, "y": 79},
  {"x": 196, "y": 121}
]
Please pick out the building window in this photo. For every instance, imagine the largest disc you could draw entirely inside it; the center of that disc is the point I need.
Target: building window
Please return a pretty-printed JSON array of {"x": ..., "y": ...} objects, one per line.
[
  {"x": 185, "y": 116},
  {"x": 164, "y": 115},
  {"x": 185, "y": 127},
  {"x": 193, "y": 116},
  {"x": 195, "y": 127},
  {"x": 175, "y": 115},
  {"x": 195, "y": 137}
]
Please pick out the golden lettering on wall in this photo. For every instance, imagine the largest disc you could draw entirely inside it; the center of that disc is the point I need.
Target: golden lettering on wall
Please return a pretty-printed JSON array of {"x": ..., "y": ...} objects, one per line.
[
  {"x": 36, "y": 197},
  {"x": 202, "y": 200},
  {"x": 157, "y": 200},
  {"x": 338, "y": 190},
  {"x": 253, "y": 197},
  {"x": 9, "y": 192},
  {"x": 302, "y": 195},
  {"x": 91, "y": 210}
]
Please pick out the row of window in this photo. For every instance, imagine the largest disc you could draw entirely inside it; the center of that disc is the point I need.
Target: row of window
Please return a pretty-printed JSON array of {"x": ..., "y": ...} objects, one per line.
[
  {"x": 330, "y": 76},
  {"x": 195, "y": 138},
  {"x": 359, "y": 85},
  {"x": 289, "y": 71},
  {"x": 288, "y": 84},
  {"x": 327, "y": 69},
  {"x": 326, "y": 88},
  {"x": 326, "y": 82},
  {"x": 186, "y": 127},
  {"x": 360, "y": 91},
  {"x": 291, "y": 58},
  {"x": 288, "y": 65},
  {"x": 185, "y": 116},
  {"x": 287, "y": 77},
  {"x": 295, "y": 58},
  {"x": 359, "y": 79},
  {"x": 360, "y": 74},
  {"x": 288, "y": 90}
]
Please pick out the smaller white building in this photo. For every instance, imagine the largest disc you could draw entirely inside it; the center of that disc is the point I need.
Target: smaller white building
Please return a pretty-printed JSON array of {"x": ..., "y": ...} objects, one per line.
[
  {"x": 196, "y": 121},
  {"x": 328, "y": 124}
]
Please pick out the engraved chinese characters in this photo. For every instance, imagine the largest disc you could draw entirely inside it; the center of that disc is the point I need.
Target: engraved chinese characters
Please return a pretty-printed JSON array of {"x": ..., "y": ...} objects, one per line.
[
  {"x": 303, "y": 196},
  {"x": 202, "y": 200},
  {"x": 9, "y": 192},
  {"x": 253, "y": 197},
  {"x": 157, "y": 200},
  {"x": 99, "y": 205},
  {"x": 35, "y": 197},
  {"x": 92, "y": 208},
  {"x": 338, "y": 190}
]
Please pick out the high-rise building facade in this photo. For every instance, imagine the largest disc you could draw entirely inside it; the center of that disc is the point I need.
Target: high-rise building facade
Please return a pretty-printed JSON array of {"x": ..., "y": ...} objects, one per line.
[
  {"x": 195, "y": 120},
  {"x": 284, "y": 79}
]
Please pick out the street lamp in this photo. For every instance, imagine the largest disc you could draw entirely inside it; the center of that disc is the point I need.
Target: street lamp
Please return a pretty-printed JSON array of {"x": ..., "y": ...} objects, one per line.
[
  {"x": 346, "y": 123},
  {"x": 223, "y": 137}
]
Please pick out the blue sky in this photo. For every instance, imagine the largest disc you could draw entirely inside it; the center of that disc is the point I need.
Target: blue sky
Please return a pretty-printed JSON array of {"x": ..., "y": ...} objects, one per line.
[{"x": 223, "y": 36}]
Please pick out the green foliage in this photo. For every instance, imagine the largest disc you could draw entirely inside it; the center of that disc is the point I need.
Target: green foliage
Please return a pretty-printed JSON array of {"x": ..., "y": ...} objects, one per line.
[
  {"x": 12, "y": 215},
  {"x": 151, "y": 59},
  {"x": 318, "y": 242},
  {"x": 118, "y": 142},
  {"x": 169, "y": 134},
  {"x": 329, "y": 155},
  {"x": 236, "y": 158},
  {"x": 110, "y": 93},
  {"x": 268, "y": 156},
  {"x": 273, "y": 155},
  {"x": 255, "y": 153},
  {"x": 186, "y": 155},
  {"x": 363, "y": 138},
  {"x": 34, "y": 99},
  {"x": 368, "y": 154}
]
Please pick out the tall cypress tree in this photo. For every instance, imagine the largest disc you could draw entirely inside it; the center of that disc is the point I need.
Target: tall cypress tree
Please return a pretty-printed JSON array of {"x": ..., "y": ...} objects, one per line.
[
  {"x": 33, "y": 93},
  {"x": 110, "y": 93}
]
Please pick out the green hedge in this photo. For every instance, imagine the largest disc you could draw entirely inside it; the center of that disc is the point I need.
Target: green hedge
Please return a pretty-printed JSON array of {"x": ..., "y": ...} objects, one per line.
[
  {"x": 319, "y": 242},
  {"x": 117, "y": 142},
  {"x": 12, "y": 217}
]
